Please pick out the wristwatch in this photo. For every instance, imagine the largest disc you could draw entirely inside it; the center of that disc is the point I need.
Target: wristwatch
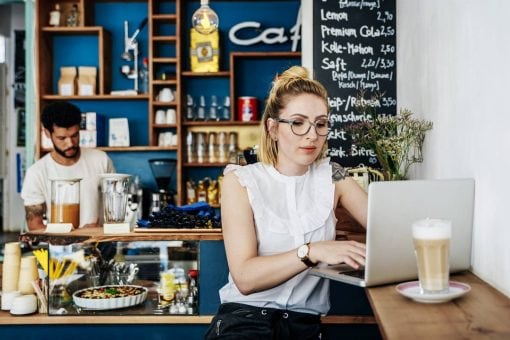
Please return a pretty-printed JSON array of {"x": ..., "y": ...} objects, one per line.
[{"x": 303, "y": 252}]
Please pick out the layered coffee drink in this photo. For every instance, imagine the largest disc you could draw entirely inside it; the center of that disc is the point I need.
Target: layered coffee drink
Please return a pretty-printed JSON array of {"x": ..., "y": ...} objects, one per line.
[
  {"x": 65, "y": 213},
  {"x": 431, "y": 243}
]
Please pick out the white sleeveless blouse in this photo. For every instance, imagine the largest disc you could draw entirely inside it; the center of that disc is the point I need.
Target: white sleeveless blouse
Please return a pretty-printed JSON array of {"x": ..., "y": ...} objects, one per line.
[{"x": 288, "y": 212}]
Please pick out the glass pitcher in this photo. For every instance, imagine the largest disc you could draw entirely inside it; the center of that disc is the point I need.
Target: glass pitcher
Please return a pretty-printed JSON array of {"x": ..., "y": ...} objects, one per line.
[
  {"x": 65, "y": 201},
  {"x": 114, "y": 188}
]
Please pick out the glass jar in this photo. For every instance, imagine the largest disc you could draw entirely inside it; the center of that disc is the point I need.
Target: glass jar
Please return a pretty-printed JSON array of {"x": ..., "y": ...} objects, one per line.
[
  {"x": 65, "y": 201},
  {"x": 114, "y": 188}
]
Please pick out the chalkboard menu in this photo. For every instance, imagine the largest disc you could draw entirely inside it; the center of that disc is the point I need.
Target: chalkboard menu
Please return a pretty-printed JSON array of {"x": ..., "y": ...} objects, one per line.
[{"x": 354, "y": 49}]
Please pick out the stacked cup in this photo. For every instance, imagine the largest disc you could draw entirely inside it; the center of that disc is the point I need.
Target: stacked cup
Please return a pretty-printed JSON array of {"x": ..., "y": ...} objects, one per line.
[
  {"x": 27, "y": 274},
  {"x": 10, "y": 274},
  {"x": 18, "y": 273}
]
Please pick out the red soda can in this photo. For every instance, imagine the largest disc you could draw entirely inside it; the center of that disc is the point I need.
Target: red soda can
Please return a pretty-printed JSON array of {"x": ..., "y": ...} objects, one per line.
[{"x": 247, "y": 109}]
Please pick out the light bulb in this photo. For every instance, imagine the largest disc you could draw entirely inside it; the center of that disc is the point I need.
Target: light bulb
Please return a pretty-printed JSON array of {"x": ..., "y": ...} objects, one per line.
[{"x": 205, "y": 20}]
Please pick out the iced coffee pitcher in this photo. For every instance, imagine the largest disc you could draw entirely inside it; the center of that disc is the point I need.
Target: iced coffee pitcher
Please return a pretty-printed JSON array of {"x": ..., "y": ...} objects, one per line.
[{"x": 65, "y": 201}]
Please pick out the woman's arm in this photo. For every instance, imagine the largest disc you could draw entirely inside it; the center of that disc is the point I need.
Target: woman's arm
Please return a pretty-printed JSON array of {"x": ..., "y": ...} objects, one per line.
[
  {"x": 253, "y": 273},
  {"x": 350, "y": 195}
]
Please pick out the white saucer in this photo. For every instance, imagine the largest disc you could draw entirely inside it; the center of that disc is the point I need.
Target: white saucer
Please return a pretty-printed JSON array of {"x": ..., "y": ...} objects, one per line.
[{"x": 412, "y": 291}]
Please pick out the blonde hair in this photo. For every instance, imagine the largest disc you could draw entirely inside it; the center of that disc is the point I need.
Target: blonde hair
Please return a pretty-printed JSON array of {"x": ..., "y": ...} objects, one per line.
[{"x": 291, "y": 83}]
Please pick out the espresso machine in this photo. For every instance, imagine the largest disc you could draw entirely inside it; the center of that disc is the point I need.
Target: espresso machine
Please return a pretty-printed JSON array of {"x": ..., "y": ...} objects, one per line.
[{"x": 163, "y": 170}]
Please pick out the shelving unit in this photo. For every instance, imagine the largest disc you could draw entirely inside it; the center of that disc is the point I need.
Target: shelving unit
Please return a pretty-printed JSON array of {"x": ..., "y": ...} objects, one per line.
[
  {"x": 164, "y": 42},
  {"x": 165, "y": 48}
]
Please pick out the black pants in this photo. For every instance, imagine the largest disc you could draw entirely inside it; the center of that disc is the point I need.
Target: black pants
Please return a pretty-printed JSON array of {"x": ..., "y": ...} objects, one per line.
[{"x": 239, "y": 321}]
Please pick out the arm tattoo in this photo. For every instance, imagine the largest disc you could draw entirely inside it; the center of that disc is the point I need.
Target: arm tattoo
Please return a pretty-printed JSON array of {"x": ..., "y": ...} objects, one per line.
[
  {"x": 37, "y": 211},
  {"x": 338, "y": 172}
]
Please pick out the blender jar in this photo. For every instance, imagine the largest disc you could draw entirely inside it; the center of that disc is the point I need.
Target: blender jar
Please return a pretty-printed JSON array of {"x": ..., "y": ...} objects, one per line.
[
  {"x": 65, "y": 201},
  {"x": 114, "y": 189}
]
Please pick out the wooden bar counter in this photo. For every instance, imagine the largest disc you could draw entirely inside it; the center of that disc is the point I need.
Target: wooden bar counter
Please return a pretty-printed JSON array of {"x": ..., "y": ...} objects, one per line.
[
  {"x": 210, "y": 283},
  {"x": 483, "y": 313}
]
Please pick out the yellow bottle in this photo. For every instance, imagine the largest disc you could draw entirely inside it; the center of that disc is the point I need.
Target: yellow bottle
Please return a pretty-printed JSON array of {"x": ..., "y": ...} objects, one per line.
[
  {"x": 167, "y": 287},
  {"x": 201, "y": 191},
  {"x": 212, "y": 193}
]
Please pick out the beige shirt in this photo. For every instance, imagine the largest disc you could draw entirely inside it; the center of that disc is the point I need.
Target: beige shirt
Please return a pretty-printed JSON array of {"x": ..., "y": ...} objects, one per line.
[{"x": 37, "y": 185}]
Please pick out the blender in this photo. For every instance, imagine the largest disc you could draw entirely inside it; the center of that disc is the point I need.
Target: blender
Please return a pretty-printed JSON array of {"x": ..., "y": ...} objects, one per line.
[
  {"x": 163, "y": 170},
  {"x": 114, "y": 189}
]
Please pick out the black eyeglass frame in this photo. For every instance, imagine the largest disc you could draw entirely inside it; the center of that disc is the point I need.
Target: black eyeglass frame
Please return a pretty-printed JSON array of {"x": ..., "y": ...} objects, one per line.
[{"x": 292, "y": 121}]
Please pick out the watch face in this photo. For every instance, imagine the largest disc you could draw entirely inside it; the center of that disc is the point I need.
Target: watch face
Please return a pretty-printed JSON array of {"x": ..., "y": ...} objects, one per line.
[{"x": 302, "y": 251}]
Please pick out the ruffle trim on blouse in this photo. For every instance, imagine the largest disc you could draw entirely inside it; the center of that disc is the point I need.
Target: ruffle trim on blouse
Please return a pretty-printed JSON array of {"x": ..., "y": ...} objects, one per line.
[
  {"x": 247, "y": 179},
  {"x": 316, "y": 203}
]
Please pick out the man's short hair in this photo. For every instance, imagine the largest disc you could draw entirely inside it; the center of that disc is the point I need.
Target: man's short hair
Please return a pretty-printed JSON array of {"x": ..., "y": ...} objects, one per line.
[{"x": 61, "y": 114}]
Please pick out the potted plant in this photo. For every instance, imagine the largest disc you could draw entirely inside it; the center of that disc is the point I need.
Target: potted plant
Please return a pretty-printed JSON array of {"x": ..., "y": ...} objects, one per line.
[{"x": 396, "y": 140}]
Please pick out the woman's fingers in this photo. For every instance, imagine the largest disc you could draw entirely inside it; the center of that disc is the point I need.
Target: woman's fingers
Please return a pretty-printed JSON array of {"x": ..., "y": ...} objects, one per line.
[{"x": 349, "y": 252}]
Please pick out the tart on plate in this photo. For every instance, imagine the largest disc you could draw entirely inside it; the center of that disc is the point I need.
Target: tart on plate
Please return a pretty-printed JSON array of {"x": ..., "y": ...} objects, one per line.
[{"x": 110, "y": 297}]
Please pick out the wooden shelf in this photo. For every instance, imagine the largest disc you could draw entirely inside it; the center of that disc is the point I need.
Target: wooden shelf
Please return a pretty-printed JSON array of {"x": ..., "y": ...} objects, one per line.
[
  {"x": 80, "y": 30},
  {"x": 162, "y": 38},
  {"x": 165, "y": 60},
  {"x": 171, "y": 81},
  {"x": 174, "y": 103},
  {"x": 205, "y": 74},
  {"x": 164, "y": 17},
  {"x": 220, "y": 123},
  {"x": 164, "y": 126},
  {"x": 138, "y": 148},
  {"x": 207, "y": 165},
  {"x": 128, "y": 148},
  {"x": 95, "y": 97}
]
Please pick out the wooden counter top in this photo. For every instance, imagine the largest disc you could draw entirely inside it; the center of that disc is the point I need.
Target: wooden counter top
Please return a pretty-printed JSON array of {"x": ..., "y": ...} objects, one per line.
[
  {"x": 43, "y": 319},
  {"x": 483, "y": 313},
  {"x": 92, "y": 235}
]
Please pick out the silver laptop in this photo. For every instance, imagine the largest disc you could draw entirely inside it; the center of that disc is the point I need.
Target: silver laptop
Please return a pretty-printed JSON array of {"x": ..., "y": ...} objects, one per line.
[{"x": 392, "y": 208}]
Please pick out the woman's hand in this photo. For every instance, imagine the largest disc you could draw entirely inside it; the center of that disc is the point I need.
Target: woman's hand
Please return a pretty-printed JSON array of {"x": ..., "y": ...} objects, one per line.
[{"x": 335, "y": 252}]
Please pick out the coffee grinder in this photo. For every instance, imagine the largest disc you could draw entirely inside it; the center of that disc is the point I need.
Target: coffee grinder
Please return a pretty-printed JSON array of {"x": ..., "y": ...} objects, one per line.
[{"x": 163, "y": 170}]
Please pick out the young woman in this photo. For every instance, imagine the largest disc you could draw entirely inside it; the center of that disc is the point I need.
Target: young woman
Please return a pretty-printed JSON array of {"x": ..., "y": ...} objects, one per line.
[{"x": 278, "y": 220}]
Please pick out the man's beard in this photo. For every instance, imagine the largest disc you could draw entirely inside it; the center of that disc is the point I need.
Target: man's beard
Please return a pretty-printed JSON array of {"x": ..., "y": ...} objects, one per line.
[{"x": 63, "y": 152}]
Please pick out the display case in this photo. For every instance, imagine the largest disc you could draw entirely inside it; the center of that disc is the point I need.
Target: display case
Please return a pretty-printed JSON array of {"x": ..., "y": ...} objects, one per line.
[
  {"x": 91, "y": 273},
  {"x": 123, "y": 278}
]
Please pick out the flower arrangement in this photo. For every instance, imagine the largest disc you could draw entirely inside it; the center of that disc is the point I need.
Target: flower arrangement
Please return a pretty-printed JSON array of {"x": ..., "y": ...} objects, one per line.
[{"x": 396, "y": 140}]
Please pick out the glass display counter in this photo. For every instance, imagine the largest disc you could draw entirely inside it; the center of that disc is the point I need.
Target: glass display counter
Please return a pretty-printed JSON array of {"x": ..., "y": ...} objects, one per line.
[{"x": 90, "y": 273}]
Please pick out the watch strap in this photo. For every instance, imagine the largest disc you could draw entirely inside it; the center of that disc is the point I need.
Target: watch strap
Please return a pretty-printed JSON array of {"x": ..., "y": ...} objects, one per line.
[{"x": 306, "y": 260}]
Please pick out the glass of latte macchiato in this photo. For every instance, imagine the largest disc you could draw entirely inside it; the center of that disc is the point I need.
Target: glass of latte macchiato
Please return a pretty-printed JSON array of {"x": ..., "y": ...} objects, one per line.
[{"x": 431, "y": 243}]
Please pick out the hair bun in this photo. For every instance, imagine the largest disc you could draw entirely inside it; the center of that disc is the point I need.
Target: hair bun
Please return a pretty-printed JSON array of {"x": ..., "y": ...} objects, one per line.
[{"x": 294, "y": 73}]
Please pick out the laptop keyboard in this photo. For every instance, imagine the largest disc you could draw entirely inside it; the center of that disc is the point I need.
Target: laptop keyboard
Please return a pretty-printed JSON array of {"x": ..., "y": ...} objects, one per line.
[{"x": 359, "y": 273}]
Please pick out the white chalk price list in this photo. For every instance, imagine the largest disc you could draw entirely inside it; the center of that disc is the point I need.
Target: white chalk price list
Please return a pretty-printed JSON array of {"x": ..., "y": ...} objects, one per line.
[{"x": 356, "y": 42}]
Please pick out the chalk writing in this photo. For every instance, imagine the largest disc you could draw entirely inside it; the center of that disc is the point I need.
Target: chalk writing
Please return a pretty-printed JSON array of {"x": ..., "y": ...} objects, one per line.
[{"x": 354, "y": 50}]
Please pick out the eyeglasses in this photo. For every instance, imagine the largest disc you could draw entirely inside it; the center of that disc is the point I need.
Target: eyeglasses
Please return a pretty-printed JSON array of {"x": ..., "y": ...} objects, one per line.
[{"x": 301, "y": 127}]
